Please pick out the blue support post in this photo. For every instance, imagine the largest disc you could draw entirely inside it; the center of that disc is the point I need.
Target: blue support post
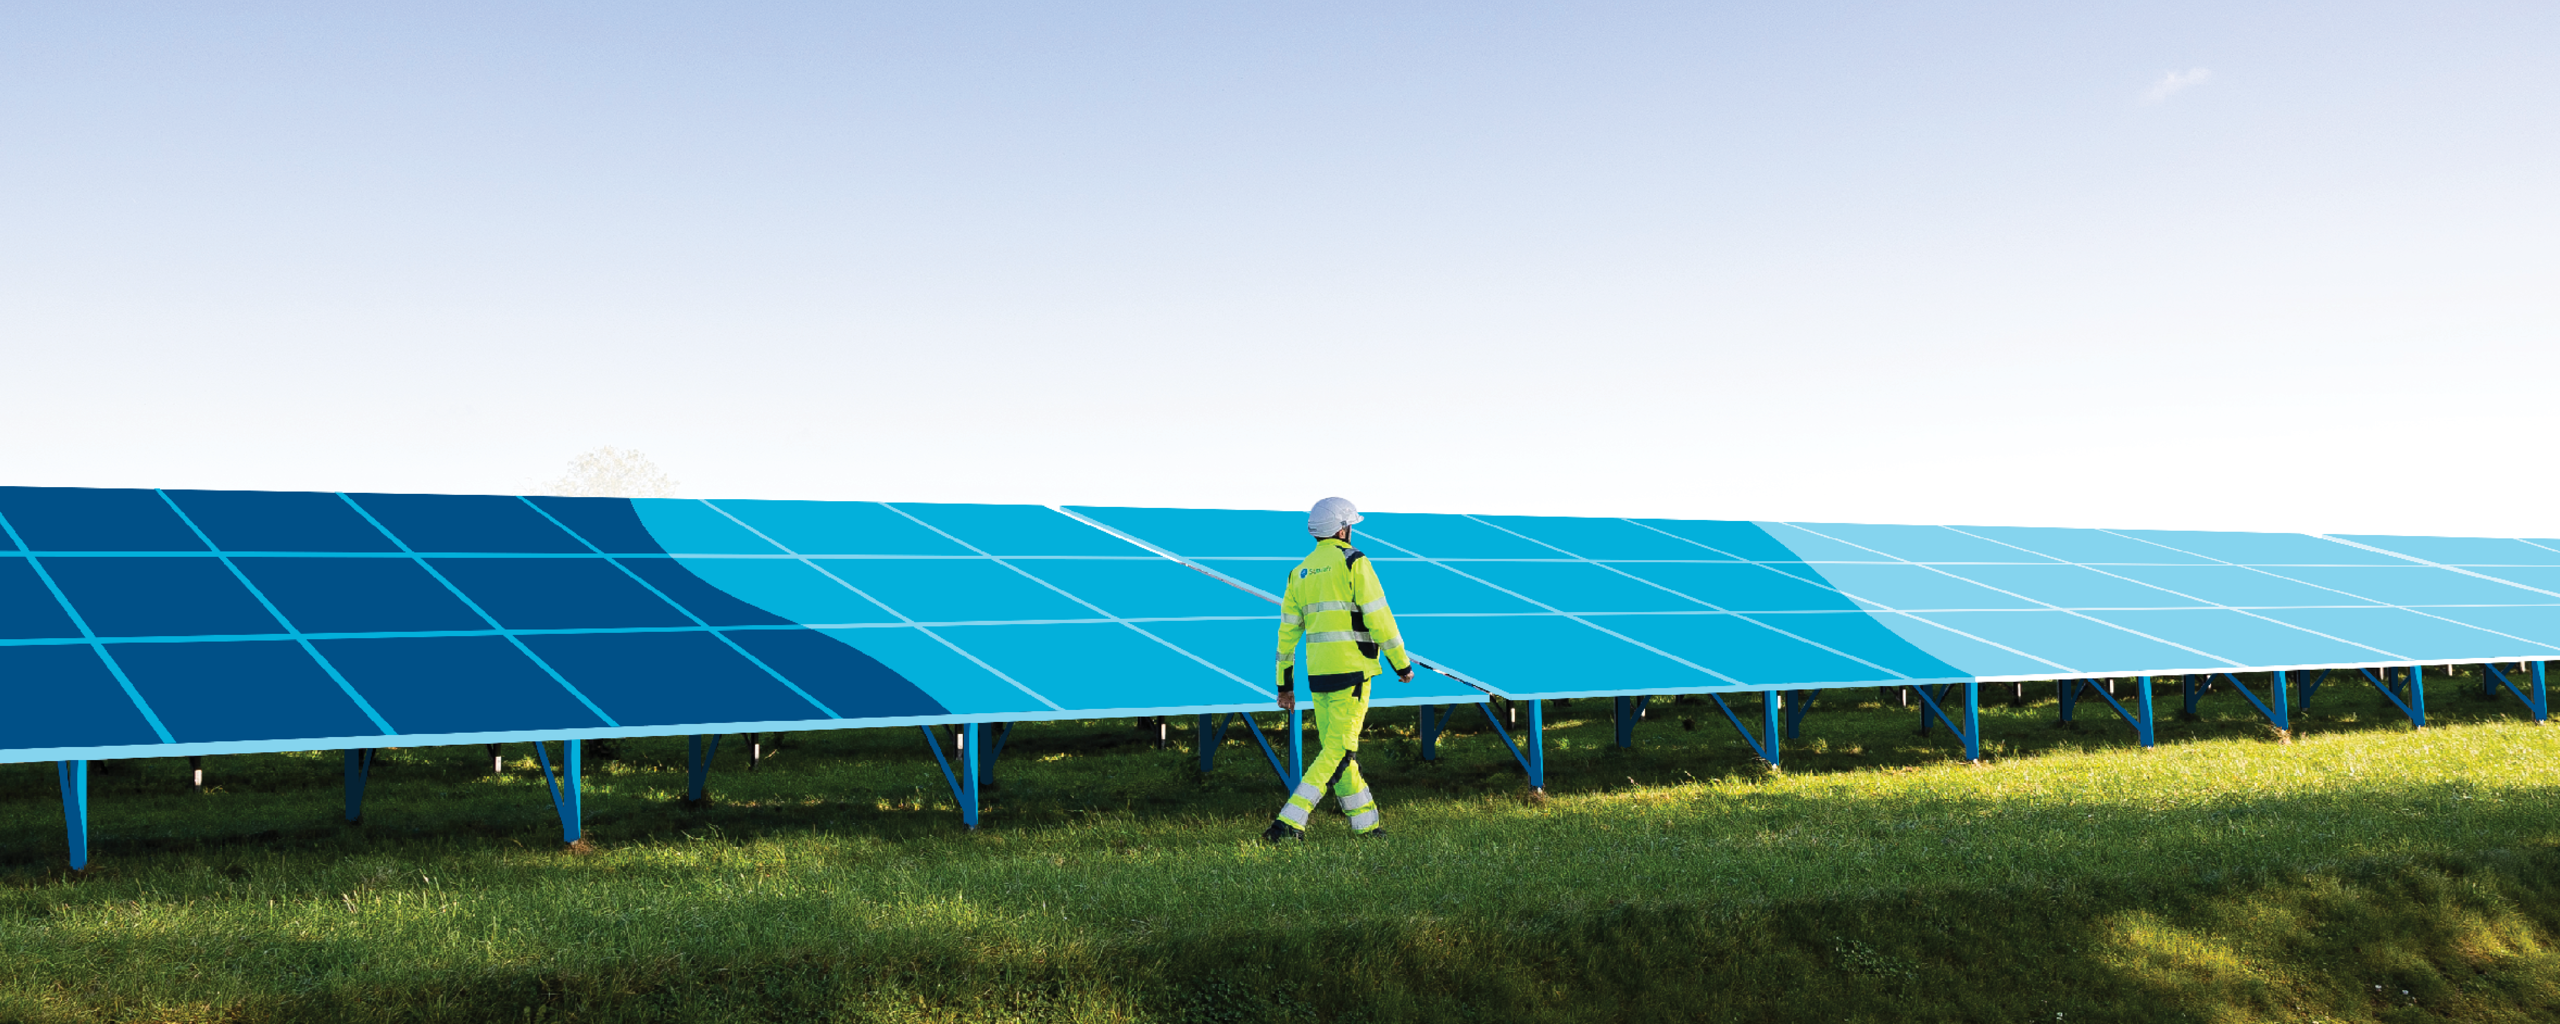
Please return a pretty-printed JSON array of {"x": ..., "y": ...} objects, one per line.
[
  {"x": 2541, "y": 696},
  {"x": 2283, "y": 703},
  {"x": 697, "y": 762},
  {"x": 969, "y": 767},
  {"x": 1764, "y": 741},
  {"x": 2190, "y": 681},
  {"x": 1625, "y": 719},
  {"x": 1538, "y": 745},
  {"x": 1973, "y": 719},
  {"x": 2066, "y": 693},
  {"x": 2488, "y": 686},
  {"x": 1429, "y": 730},
  {"x": 359, "y": 766},
  {"x": 1970, "y": 732},
  {"x": 2143, "y": 727},
  {"x": 1209, "y": 740},
  {"x": 1769, "y": 727},
  {"x": 75, "y": 809},
  {"x": 1798, "y": 702},
  {"x": 2418, "y": 695},
  {"x": 567, "y": 795},
  {"x": 1534, "y": 773}
]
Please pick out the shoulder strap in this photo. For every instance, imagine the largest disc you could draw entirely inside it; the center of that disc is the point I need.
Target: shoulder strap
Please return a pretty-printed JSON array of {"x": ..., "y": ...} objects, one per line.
[{"x": 1351, "y": 556}]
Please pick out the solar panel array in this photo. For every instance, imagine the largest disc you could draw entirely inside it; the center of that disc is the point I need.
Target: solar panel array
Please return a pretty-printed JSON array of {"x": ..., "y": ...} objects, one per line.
[
  {"x": 139, "y": 622},
  {"x": 1536, "y": 607}
]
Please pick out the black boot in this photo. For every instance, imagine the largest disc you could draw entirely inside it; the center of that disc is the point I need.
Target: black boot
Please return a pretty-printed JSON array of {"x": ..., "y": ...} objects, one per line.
[{"x": 1280, "y": 832}]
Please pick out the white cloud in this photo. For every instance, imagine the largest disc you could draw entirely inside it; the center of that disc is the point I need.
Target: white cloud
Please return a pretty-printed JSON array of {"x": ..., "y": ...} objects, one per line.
[{"x": 2174, "y": 82}]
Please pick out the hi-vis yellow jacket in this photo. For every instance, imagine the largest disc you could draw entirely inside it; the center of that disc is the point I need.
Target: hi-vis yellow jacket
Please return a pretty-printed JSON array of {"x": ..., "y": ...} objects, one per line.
[{"x": 1334, "y": 600}]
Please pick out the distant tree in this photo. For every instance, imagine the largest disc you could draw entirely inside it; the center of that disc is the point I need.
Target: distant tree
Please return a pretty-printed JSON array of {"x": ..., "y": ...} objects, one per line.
[{"x": 611, "y": 472}]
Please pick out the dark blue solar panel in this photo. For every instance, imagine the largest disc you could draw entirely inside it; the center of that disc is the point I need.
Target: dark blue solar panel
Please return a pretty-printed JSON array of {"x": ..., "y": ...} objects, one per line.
[
  {"x": 468, "y": 523},
  {"x": 558, "y": 593},
  {"x": 27, "y": 608},
  {"x": 839, "y": 675},
  {"x": 714, "y": 605},
  {"x": 658, "y": 679},
  {"x": 243, "y": 690},
  {"x": 85, "y": 519},
  {"x": 608, "y": 523},
  {"x": 359, "y": 595},
  {"x": 145, "y": 596},
  {"x": 1019, "y": 530},
  {"x": 280, "y": 521},
  {"x": 63, "y": 696},
  {"x": 450, "y": 684}
]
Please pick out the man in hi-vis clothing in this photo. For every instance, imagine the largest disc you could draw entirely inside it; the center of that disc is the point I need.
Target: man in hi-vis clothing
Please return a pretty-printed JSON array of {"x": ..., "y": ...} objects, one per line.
[{"x": 1335, "y": 602}]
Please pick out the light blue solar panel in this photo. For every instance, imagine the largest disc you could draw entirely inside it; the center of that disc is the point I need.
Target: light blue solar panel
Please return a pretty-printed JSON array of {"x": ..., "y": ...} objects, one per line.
[
  {"x": 1744, "y": 651},
  {"x": 1804, "y": 545},
  {"x": 2086, "y": 547},
  {"x": 2414, "y": 585},
  {"x": 2463, "y": 550},
  {"x": 2235, "y": 586},
  {"x": 1269, "y": 575},
  {"x": 1210, "y": 532},
  {"x": 1442, "y": 536},
  {"x": 954, "y": 590},
  {"x": 1861, "y": 636},
  {"x": 839, "y": 528},
  {"x": 1601, "y": 539},
  {"x": 2080, "y": 646},
  {"x": 1741, "y": 587},
  {"x": 1148, "y": 589},
  {"x": 2539, "y": 578},
  {"x": 1914, "y": 587},
  {"x": 1030, "y": 530},
  {"x": 1413, "y": 588},
  {"x": 1548, "y": 655},
  {"x": 1725, "y": 538},
  {"x": 1924, "y": 543},
  {"x": 2265, "y": 548},
  {"x": 2540, "y": 624},
  {"x": 1577, "y": 586},
  {"x": 1244, "y": 648},
  {"x": 1116, "y": 669},
  {"x": 1970, "y": 654},
  {"x": 695, "y": 528},
  {"x": 790, "y": 589},
  {"x": 2410, "y": 635},
  {"x": 833, "y": 670},
  {"x": 2241, "y": 637},
  {"x": 2071, "y": 586},
  {"x": 950, "y": 677}
]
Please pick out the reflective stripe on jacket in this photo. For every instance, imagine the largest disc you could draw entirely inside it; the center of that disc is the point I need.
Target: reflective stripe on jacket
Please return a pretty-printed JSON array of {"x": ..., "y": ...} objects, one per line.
[{"x": 1335, "y": 602}]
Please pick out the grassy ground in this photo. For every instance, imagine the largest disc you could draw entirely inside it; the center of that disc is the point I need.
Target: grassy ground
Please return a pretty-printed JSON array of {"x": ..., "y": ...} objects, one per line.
[{"x": 2354, "y": 871}]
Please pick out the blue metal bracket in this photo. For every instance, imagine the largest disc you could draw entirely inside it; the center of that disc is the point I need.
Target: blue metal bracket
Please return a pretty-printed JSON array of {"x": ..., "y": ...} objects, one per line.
[
  {"x": 2303, "y": 692},
  {"x": 1765, "y": 742},
  {"x": 697, "y": 765},
  {"x": 2405, "y": 688},
  {"x": 2277, "y": 708},
  {"x": 1533, "y": 761},
  {"x": 1433, "y": 720},
  {"x": 359, "y": 767},
  {"x": 964, "y": 785},
  {"x": 1630, "y": 711},
  {"x": 1297, "y": 748},
  {"x": 2141, "y": 720},
  {"x": 2538, "y": 702},
  {"x": 75, "y": 809},
  {"x": 1213, "y": 735},
  {"x": 1970, "y": 733},
  {"x": 567, "y": 795},
  {"x": 1798, "y": 702}
]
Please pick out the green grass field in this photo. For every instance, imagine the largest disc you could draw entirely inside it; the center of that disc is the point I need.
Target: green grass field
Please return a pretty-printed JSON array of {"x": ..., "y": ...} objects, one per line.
[{"x": 2360, "y": 871}]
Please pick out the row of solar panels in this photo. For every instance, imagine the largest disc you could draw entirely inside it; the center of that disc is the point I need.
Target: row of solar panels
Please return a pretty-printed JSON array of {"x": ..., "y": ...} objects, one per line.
[{"x": 139, "y": 621}]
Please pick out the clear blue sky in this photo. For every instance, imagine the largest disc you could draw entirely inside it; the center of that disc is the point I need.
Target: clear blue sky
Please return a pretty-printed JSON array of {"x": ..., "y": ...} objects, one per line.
[{"x": 2241, "y": 265}]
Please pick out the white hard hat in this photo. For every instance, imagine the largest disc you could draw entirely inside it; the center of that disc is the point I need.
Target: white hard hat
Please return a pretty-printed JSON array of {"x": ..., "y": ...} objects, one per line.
[{"x": 1330, "y": 516}]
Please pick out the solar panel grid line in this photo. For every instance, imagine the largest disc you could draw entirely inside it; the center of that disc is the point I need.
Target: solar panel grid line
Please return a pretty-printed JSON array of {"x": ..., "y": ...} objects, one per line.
[
  {"x": 2409, "y": 609},
  {"x": 686, "y": 612},
  {"x": 1166, "y": 554},
  {"x": 884, "y": 606},
  {"x": 2192, "y": 597},
  {"x": 2394, "y": 656},
  {"x": 1098, "y": 609},
  {"x": 313, "y": 652},
  {"x": 1688, "y": 597},
  {"x": 2450, "y": 568},
  {"x": 1558, "y": 611},
  {"x": 1835, "y": 589},
  {"x": 131, "y": 692},
  {"x": 501, "y": 630},
  {"x": 2023, "y": 597}
]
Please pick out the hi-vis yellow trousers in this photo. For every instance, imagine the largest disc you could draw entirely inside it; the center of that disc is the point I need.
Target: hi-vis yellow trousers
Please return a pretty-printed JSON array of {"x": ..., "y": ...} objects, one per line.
[{"x": 1338, "y": 715}]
